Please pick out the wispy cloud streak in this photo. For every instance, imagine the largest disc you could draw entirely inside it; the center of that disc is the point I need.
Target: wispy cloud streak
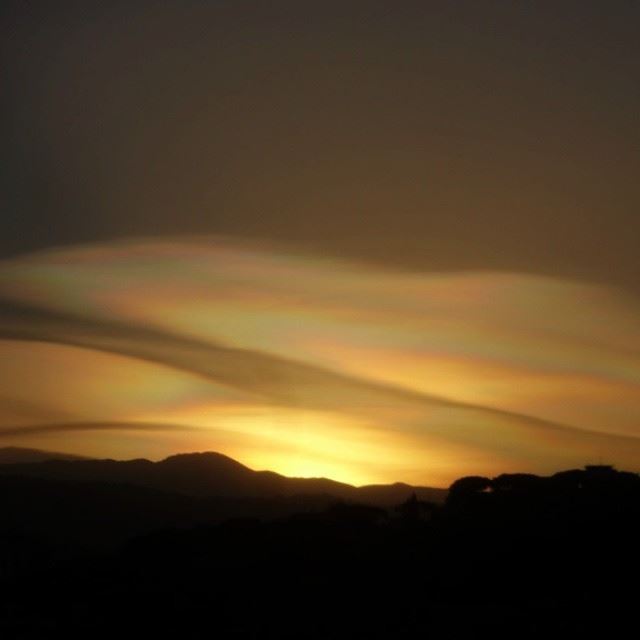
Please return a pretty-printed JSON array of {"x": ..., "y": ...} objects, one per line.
[{"x": 472, "y": 365}]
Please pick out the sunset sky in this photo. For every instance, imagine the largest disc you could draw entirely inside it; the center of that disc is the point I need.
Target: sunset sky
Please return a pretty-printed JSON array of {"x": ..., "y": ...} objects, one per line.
[{"x": 373, "y": 241}]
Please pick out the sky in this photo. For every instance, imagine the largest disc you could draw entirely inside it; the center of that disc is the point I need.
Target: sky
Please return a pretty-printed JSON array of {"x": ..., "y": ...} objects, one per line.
[{"x": 373, "y": 241}]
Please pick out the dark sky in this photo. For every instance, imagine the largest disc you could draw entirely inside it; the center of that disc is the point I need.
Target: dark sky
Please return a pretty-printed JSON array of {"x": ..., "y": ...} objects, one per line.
[{"x": 436, "y": 135}]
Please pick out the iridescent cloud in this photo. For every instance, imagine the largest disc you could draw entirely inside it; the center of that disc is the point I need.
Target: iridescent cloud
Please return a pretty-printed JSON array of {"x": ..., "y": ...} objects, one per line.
[{"x": 314, "y": 366}]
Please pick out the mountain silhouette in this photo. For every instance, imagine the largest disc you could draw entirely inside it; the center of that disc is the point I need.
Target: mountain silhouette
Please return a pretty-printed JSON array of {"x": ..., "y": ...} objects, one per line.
[
  {"x": 209, "y": 474},
  {"x": 100, "y": 548}
]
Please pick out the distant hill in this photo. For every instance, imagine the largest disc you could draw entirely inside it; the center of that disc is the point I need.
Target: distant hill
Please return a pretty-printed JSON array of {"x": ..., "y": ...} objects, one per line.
[
  {"x": 202, "y": 475},
  {"x": 20, "y": 455},
  {"x": 66, "y": 499}
]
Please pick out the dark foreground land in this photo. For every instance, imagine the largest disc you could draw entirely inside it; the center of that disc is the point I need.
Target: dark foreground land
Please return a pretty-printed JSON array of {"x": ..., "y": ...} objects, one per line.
[{"x": 517, "y": 556}]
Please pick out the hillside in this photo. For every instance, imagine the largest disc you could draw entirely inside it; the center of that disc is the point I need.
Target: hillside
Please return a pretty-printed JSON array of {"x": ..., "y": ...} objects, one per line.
[{"x": 206, "y": 475}]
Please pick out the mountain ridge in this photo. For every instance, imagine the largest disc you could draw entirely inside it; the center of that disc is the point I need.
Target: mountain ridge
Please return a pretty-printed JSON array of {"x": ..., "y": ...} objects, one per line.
[{"x": 202, "y": 474}]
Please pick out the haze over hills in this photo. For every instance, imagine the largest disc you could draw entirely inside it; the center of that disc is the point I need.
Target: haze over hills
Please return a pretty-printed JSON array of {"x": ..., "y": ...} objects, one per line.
[
  {"x": 207, "y": 474},
  {"x": 18, "y": 455}
]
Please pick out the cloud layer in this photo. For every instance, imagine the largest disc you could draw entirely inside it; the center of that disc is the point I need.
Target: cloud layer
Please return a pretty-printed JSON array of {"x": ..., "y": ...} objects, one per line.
[{"x": 313, "y": 366}]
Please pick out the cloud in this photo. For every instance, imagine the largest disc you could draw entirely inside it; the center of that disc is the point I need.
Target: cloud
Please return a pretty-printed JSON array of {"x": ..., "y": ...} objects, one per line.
[
  {"x": 65, "y": 427},
  {"x": 272, "y": 379},
  {"x": 463, "y": 366}
]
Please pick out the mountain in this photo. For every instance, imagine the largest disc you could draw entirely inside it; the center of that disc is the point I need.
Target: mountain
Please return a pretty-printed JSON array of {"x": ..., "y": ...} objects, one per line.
[
  {"x": 101, "y": 503},
  {"x": 208, "y": 474},
  {"x": 514, "y": 552}
]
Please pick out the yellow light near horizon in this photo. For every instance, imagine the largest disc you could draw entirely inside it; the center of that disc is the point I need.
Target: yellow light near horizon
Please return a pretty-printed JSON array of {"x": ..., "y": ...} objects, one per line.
[{"x": 297, "y": 443}]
